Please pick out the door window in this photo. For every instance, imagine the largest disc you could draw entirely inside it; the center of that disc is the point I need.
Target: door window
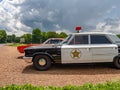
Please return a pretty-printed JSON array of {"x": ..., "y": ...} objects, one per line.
[
  {"x": 79, "y": 39},
  {"x": 99, "y": 39}
]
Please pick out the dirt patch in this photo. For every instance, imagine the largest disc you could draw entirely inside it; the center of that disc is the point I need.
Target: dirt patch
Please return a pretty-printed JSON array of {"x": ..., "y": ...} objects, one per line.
[{"x": 13, "y": 70}]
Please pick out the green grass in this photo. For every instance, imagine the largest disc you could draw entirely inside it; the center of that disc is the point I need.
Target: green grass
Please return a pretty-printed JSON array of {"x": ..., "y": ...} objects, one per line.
[
  {"x": 15, "y": 44},
  {"x": 106, "y": 86}
]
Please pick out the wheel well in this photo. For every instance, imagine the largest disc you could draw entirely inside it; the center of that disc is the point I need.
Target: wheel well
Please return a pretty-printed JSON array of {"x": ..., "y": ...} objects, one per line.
[
  {"x": 116, "y": 57},
  {"x": 45, "y": 55}
]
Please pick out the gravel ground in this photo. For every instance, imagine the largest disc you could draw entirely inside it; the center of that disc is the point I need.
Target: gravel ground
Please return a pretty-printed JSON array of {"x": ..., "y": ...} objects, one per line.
[{"x": 16, "y": 71}]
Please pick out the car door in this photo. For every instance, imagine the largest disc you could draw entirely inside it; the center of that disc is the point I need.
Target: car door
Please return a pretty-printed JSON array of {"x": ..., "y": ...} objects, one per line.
[
  {"x": 102, "y": 49},
  {"x": 77, "y": 51}
]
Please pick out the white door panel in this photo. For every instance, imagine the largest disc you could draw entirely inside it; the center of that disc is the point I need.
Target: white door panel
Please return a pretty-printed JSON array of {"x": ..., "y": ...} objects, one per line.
[
  {"x": 88, "y": 53},
  {"x": 104, "y": 53},
  {"x": 76, "y": 54}
]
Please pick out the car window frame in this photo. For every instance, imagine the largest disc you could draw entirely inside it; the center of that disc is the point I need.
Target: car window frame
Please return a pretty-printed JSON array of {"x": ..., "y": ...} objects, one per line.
[
  {"x": 80, "y": 35},
  {"x": 100, "y": 35}
]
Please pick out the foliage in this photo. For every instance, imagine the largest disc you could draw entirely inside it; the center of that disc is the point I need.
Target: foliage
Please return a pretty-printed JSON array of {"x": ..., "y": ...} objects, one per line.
[
  {"x": 12, "y": 38},
  {"x": 106, "y": 86},
  {"x": 3, "y": 36},
  {"x": 15, "y": 44},
  {"x": 52, "y": 34},
  {"x": 39, "y": 37},
  {"x": 62, "y": 35},
  {"x": 17, "y": 40},
  {"x": 36, "y": 35},
  {"x": 28, "y": 38},
  {"x": 118, "y": 35}
]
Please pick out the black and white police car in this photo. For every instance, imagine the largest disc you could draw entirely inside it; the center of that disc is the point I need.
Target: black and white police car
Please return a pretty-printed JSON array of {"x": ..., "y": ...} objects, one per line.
[{"x": 84, "y": 47}]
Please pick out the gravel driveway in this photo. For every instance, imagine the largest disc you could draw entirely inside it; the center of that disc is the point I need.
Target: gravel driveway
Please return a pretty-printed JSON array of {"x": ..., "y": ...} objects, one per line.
[
  {"x": 1, "y": 45},
  {"x": 16, "y": 71}
]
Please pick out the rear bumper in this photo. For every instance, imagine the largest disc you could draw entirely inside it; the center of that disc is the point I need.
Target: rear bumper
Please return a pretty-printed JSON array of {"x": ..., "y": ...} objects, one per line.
[{"x": 27, "y": 59}]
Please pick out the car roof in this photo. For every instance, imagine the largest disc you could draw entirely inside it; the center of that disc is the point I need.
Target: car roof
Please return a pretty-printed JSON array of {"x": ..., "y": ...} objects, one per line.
[{"x": 92, "y": 33}]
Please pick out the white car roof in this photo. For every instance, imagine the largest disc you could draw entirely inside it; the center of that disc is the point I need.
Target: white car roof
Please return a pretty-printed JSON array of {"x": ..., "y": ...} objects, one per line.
[{"x": 92, "y": 33}]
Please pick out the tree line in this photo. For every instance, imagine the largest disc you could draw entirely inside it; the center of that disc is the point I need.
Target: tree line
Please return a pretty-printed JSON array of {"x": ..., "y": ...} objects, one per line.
[{"x": 37, "y": 36}]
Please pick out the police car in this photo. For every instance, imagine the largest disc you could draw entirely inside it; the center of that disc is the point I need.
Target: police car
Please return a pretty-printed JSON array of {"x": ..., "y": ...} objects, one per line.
[{"x": 84, "y": 47}]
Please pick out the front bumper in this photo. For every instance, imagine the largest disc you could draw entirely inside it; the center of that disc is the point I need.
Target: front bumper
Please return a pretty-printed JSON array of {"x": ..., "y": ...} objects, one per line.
[{"x": 28, "y": 59}]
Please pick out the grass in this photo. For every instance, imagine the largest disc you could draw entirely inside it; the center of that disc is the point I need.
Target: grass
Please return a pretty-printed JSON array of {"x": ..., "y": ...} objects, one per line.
[
  {"x": 105, "y": 86},
  {"x": 15, "y": 44}
]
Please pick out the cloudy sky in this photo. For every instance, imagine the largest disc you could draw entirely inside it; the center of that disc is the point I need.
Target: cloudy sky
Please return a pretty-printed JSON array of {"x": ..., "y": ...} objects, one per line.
[{"x": 22, "y": 16}]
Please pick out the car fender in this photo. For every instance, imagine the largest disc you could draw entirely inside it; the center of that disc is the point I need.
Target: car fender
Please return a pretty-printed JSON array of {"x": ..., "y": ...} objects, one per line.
[{"x": 42, "y": 53}]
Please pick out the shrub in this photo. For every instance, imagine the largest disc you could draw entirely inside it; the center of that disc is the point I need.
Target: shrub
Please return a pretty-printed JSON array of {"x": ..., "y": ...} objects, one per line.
[{"x": 106, "y": 86}]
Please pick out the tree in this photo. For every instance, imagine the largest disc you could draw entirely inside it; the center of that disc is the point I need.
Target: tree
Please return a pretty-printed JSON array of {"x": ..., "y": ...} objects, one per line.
[
  {"x": 43, "y": 36},
  {"x": 36, "y": 36},
  {"x": 17, "y": 39},
  {"x": 118, "y": 35},
  {"x": 62, "y": 35},
  {"x": 27, "y": 37},
  {"x": 3, "y": 36},
  {"x": 51, "y": 34},
  {"x": 9, "y": 38},
  {"x": 13, "y": 37}
]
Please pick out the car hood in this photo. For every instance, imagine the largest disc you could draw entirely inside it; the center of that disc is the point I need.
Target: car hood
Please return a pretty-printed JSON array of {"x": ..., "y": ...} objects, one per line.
[{"x": 43, "y": 46}]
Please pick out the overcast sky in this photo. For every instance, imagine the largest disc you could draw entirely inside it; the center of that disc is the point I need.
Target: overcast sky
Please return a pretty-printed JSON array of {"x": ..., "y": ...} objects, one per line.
[{"x": 22, "y": 16}]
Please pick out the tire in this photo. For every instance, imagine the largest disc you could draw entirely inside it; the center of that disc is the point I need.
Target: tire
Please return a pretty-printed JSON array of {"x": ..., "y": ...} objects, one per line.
[
  {"x": 116, "y": 62},
  {"x": 41, "y": 62}
]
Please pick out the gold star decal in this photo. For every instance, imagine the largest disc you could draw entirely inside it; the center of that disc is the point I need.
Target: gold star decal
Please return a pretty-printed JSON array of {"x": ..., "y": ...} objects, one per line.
[{"x": 75, "y": 54}]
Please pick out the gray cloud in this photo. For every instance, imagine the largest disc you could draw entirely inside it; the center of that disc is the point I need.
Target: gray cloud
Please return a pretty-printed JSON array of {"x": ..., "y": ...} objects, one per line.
[
  {"x": 65, "y": 14},
  {"x": 109, "y": 25}
]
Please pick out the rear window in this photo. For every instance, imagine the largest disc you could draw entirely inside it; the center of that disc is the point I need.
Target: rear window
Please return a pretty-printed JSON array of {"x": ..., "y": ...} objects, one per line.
[{"x": 99, "y": 39}]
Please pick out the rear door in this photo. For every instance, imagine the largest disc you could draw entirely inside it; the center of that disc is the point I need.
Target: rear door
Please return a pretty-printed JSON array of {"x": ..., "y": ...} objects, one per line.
[{"x": 102, "y": 49}]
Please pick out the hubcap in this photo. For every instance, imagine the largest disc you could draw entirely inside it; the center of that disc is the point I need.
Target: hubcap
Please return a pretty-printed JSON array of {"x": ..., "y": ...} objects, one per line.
[{"x": 42, "y": 61}]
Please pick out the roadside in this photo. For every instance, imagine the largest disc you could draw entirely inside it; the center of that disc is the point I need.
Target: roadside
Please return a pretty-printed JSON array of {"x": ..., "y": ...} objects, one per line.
[{"x": 1, "y": 45}]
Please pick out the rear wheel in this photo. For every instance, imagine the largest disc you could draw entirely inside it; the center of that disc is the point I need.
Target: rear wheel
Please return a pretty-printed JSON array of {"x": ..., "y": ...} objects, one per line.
[
  {"x": 41, "y": 62},
  {"x": 117, "y": 62}
]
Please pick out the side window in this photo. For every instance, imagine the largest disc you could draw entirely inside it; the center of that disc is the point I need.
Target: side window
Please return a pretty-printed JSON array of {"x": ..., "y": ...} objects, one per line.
[
  {"x": 54, "y": 41},
  {"x": 83, "y": 39},
  {"x": 99, "y": 39}
]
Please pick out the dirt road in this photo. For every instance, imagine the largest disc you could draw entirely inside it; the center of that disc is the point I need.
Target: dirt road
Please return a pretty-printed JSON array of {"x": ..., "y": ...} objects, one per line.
[{"x": 16, "y": 71}]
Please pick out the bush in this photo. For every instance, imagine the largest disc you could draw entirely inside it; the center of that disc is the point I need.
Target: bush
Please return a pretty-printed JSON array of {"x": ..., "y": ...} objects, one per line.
[
  {"x": 15, "y": 44},
  {"x": 106, "y": 86}
]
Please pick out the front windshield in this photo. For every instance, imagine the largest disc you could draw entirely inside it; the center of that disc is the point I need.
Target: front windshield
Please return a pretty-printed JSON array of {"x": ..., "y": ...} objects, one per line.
[
  {"x": 66, "y": 40},
  {"x": 52, "y": 41}
]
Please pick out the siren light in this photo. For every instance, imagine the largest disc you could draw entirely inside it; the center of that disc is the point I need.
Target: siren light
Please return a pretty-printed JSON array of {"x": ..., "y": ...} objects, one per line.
[{"x": 78, "y": 28}]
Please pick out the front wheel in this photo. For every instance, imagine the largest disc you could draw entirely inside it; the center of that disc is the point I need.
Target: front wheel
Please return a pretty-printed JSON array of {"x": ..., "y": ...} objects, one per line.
[
  {"x": 41, "y": 62},
  {"x": 117, "y": 62}
]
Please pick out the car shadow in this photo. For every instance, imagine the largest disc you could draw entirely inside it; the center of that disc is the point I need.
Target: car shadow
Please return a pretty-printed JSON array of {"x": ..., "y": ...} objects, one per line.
[
  {"x": 20, "y": 57},
  {"x": 75, "y": 69}
]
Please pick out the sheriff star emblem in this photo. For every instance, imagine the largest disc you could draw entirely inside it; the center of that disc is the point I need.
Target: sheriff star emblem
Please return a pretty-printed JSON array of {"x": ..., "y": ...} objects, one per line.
[{"x": 75, "y": 54}]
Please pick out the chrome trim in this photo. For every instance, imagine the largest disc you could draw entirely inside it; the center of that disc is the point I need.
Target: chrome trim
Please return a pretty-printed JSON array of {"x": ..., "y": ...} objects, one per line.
[{"x": 27, "y": 59}]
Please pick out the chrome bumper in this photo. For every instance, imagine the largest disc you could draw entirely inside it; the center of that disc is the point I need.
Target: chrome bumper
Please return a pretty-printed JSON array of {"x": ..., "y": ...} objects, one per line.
[{"x": 27, "y": 59}]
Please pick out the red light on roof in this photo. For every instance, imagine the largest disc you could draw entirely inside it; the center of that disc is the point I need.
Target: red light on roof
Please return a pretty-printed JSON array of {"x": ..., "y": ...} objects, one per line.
[{"x": 78, "y": 28}]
